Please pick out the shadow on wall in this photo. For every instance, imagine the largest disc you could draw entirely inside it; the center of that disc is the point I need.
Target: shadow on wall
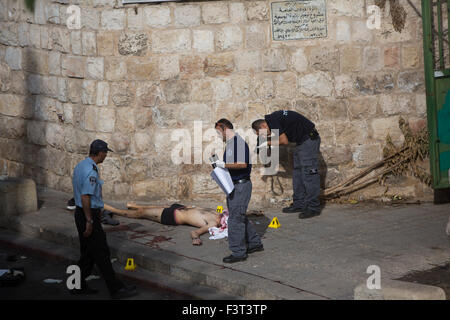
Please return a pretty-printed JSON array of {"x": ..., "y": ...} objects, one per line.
[{"x": 286, "y": 169}]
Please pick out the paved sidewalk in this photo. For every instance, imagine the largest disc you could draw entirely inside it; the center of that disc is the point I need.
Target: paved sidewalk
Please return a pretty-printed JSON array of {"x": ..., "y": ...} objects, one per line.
[{"x": 325, "y": 257}]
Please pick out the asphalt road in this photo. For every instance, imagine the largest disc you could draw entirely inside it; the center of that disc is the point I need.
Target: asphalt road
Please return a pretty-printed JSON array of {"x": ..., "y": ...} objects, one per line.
[{"x": 37, "y": 269}]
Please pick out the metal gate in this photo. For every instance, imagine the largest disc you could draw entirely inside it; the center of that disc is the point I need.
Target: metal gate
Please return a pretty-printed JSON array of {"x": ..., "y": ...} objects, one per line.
[{"x": 436, "y": 43}]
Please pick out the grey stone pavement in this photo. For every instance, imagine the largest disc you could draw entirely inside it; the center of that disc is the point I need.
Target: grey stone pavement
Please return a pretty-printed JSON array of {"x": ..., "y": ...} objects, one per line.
[{"x": 325, "y": 257}]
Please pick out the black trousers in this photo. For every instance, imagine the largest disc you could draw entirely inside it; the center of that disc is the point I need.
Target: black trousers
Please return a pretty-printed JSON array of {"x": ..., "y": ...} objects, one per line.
[{"x": 94, "y": 250}]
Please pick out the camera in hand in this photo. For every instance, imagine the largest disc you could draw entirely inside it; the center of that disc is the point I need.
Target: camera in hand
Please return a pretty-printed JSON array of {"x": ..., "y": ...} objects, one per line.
[{"x": 213, "y": 159}]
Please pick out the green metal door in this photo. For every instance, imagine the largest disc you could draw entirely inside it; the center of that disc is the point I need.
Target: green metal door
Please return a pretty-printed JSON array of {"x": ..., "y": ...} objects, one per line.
[{"x": 436, "y": 19}]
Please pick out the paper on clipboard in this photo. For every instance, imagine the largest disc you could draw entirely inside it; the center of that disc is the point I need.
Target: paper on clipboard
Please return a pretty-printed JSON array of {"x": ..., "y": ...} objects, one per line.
[{"x": 223, "y": 179}]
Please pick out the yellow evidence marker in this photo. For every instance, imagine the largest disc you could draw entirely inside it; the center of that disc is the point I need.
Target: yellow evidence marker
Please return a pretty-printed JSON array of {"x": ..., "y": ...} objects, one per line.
[
  {"x": 219, "y": 209},
  {"x": 275, "y": 224},
  {"x": 130, "y": 264}
]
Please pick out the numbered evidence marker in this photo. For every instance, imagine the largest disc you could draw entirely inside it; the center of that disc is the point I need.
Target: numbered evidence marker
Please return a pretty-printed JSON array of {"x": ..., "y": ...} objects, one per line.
[
  {"x": 130, "y": 266},
  {"x": 275, "y": 224},
  {"x": 74, "y": 280},
  {"x": 374, "y": 281},
  {"x": 219, "y": 209}
]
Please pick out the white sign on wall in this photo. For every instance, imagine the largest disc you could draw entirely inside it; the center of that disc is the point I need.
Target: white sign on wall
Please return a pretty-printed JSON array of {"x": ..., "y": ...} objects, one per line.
[{"x": 298, "y": 20}]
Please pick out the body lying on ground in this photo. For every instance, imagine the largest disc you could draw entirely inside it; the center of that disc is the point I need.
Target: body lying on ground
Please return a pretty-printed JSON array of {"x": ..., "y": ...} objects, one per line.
[{"x": 176, "y": 214}]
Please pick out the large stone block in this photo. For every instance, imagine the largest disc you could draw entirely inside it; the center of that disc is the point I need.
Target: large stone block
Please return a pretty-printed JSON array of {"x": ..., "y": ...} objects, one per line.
[
  {"x": 215, "y": 12},
  {"x": 380, "y": 128},
  {"x": 149, "y": 94},
  {"x": 366, "y": 155},
  {"x": 13, "y": 57},
  {"x": 143, "y": 69},
  {"x": 319, "y": 84},
  {"x": 15, "y": 106},
  {"x": 157, "y": 16},
  {"x": 249, "y": 61},
  {"x": 351, "y": 59},
  {"x": 60, "y": 38},
  {"x": 105, "y": 43},
  {"x": 89, "y": 43},
  {"x": 257, "y": 10},
  {"x": 36, "y": 132},
  {"x": 169, "y": 67},
  {"x": 219, "y": 65},
  {"x": 171, "y": 41},
  {"x": 274, "y": 60},
  {"x": 133, "y": 44},
  {"x": 12, "y": 128},
  {"x": 115, "y": 69},
  {"x": 75, "y": 39},
  {"x": 334, "y": 156},
  {"x": 372, "y": 59},
  {"x": 411, "y": 81},
  {"x": 187, "y": 15},
  {"x": 113, "y": 19},
  {"x": 35, "y": 61},
  {"x": 95, "y": 68},
  {"x": 229, "y": 38},
  {"x": 299, "y": 61},
  {"x": 351, "y": 133},
  {"x": 203, "y": 40},
  {"x": 374, "y": 84},
  {"x": 73, "y": 66},
  {"x": 17, "y": 196},
  {"x": 176, "y": 91},
  {"x": 123, "y": 93},
  {"x": 286, "y": 85},
  {"x": 191, "y": 66}
]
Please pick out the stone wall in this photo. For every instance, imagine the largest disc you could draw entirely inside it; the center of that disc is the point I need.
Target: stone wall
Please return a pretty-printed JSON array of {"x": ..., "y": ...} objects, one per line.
[{"x": 134, "y": 73}]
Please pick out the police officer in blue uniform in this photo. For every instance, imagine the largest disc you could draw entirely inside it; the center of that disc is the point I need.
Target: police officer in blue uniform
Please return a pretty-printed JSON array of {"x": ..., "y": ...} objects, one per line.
[
  {"x": 294, "y": 127},
  {"x": 87, "y": 191},
  {"x": 242, "y": 237}
]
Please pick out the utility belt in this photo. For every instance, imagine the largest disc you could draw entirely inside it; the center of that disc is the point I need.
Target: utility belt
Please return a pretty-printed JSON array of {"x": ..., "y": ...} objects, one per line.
[
  {"x": 240, "y": 181},
  {"x": 313, "y": 135}
]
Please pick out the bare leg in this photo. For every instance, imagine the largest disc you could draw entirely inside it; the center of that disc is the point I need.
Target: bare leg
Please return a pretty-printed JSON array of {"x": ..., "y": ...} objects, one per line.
[
  {"x": 139, "y": 213},
  {"x": 135, "y": 214},
  {"x": 132, "y": 205}
]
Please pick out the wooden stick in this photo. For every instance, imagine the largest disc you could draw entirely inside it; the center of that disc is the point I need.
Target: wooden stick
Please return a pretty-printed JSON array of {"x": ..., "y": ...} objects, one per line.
[{"x": 365, "y": 172}]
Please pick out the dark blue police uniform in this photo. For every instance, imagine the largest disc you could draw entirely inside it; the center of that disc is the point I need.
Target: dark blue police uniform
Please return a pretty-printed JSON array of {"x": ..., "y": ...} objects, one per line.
[{"x": 241, "y": 233}]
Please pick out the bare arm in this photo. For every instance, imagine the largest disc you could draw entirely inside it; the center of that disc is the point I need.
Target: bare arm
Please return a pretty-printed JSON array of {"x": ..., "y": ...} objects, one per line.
[
  {"x": 282, "y": 141},
  {"x": 236, "y": 165},
  {"x": 197, "y": 233},
  {"x": 86, "y": 203}
]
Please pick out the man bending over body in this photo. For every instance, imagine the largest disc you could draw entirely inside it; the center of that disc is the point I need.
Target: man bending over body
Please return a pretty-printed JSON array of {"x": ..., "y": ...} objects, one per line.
[{"x": 176, "y": 214}]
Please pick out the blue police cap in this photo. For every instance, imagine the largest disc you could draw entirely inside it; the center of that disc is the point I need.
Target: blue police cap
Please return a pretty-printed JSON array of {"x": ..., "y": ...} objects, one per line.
[{"x": 99, "y": 145}]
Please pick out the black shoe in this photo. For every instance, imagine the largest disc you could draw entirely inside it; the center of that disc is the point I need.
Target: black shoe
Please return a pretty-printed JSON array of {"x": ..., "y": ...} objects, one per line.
[
  {"x": 71, "y": 204},
  {"x": 293, "y": 209},
  {"x": 308, "y": 213},
  {"x": 85, "y": 290},
  {"x": 125, "y": 292},
  {"x": 233, "y": 259},
  {"x": 255, "y": 249}
]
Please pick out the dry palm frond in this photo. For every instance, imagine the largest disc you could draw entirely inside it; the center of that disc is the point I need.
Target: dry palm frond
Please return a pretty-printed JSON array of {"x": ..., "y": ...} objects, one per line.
[{"x": 397, "y": 161}]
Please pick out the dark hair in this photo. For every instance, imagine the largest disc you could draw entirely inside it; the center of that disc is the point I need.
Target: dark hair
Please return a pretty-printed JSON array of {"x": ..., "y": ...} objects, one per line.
[
  {"x": 224, "y": 122},
  {"x": 256, "y": 125},
  {"x": 94, "y": 152}
]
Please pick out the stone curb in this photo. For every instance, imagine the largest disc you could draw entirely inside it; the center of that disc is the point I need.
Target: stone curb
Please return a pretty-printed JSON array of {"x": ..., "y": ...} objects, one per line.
[
  {"x": 228, "y": 281},
  {"x": 399, "y": 290}
]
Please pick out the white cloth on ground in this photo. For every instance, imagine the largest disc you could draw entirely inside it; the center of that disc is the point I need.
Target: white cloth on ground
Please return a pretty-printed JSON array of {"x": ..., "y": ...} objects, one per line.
[{"x": 222, "y": 232}]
